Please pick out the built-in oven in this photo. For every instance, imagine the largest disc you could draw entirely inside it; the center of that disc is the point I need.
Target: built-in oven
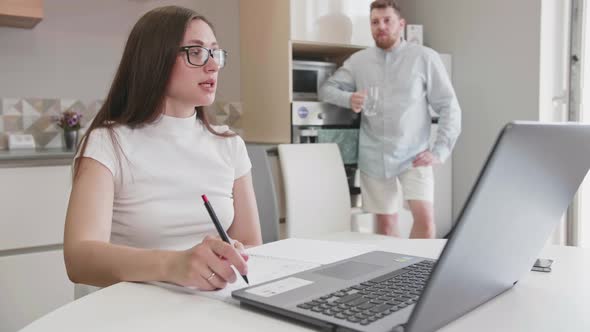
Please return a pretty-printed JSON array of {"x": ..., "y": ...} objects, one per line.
[{"x": 317, "y": 122}]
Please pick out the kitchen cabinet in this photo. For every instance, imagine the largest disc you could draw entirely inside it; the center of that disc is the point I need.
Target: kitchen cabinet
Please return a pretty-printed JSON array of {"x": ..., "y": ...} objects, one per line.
[
  {"x": 33, "y": 203},
  {"x": 21, "y": 13},
  {"x": 272, "y": 33},
  {"x": 334, "y": 21}
]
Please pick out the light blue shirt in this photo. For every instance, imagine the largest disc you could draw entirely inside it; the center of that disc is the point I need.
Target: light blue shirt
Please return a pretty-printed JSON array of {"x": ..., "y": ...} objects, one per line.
[{"x": 412, "y": 78}]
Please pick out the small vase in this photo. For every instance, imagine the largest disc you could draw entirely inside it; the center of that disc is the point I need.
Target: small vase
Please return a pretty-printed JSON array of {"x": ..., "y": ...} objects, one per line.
[{"x": 70, "y": 139}]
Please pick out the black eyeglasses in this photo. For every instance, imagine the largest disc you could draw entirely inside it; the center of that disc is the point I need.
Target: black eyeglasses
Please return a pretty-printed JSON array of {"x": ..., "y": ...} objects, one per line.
[{"x": 199, "y": 55}]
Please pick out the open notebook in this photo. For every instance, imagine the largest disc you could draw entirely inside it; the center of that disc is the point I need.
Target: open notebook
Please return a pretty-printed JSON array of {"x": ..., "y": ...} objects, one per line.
[{"x": 279, "y": 259}]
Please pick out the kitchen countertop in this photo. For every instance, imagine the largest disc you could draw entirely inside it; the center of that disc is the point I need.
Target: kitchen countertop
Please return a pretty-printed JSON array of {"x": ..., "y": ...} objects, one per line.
[
  {"x": 48, "y": 157},
  {"x": 35, "y": 157}
]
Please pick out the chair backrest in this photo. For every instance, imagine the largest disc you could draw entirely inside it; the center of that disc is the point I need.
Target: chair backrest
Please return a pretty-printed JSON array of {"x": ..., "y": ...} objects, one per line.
[
  {"x": 264, "y": 188},
  {"x": 81, "y": 290},
  {"x": 317, "y": 198}
]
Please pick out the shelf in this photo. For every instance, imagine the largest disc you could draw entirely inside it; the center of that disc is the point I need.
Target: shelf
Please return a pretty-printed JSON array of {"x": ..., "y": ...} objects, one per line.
[
  {"x": 324, "y": 50},
  {"x": 35, "y": 157},
  {"x": 21, "y": 13}
]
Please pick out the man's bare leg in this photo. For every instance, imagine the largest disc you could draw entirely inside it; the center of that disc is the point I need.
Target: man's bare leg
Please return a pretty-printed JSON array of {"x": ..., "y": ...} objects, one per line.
[
  {"x": 387, "y": 224},
  {"x": 423, "y": 214}
]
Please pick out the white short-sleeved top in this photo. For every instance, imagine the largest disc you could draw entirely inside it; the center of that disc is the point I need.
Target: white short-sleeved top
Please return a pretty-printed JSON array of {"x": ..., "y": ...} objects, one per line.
[{"x": 165, "y": 169}]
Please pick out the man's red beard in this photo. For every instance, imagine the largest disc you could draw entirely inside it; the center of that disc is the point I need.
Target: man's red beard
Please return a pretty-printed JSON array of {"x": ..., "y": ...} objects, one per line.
[{"x": 385, "y": 43}]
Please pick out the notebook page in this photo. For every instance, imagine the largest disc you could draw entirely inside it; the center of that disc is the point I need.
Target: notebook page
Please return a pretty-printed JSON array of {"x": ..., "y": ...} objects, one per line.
[
  {"x": 260, "y": 269},
  {"x": 313, "y": 251}
]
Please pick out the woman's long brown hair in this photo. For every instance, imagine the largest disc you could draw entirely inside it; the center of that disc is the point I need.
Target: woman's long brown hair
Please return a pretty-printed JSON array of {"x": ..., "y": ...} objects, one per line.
[{"x": 138, "y": 89}]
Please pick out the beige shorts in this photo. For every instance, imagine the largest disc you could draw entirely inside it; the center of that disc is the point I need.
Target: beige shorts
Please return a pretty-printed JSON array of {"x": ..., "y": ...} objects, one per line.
[{"x": 385, "y": 196}]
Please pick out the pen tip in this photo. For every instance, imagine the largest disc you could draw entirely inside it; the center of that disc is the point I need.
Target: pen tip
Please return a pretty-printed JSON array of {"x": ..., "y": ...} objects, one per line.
[{"x": 246, "y": 279}]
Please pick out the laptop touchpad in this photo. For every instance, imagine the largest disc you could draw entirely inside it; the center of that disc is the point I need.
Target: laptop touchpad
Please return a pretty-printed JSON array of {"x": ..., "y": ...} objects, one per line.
[{"x": 348, "y": 270}]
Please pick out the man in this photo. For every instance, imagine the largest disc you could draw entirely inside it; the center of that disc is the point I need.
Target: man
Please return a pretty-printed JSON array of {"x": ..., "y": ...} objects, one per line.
[{"x": 394, "y": 143}]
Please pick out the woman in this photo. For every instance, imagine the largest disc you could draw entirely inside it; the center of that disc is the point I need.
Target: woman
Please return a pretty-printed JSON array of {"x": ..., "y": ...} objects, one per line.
[{"x": 135, "y": 211}]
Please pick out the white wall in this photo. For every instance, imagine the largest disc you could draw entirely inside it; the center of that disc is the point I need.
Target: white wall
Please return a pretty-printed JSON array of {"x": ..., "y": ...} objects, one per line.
[
  {"x": 496, "y": 59},
  {"x": 75, "y": 50}
]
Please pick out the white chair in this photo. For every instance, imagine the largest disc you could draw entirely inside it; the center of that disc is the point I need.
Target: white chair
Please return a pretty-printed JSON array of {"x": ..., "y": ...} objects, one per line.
[
  {"x": 264, "y": 187},
  {"x": 317, "y": 198},
  {"x": 81, "y": 290}
]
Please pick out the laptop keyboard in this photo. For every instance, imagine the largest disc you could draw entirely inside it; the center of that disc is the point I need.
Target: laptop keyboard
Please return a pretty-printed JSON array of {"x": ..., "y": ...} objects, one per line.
[{"x": 372, "y": 300}]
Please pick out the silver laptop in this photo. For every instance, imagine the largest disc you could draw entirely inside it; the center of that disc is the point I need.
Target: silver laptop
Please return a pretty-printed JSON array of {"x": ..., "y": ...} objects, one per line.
[{"x": 523, "y": 190}]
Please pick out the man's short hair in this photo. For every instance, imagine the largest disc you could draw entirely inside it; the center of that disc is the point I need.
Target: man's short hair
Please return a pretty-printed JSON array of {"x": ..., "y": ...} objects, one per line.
[{"x": 381, "y": 4}]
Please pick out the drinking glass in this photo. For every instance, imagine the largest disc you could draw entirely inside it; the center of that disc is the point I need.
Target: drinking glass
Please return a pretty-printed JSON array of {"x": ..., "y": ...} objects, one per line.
[{"x": 372, "y": 102}]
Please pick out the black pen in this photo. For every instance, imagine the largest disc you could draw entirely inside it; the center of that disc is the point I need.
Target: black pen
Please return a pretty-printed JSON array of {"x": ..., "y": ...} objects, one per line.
[{"x": 217, "y": 224}]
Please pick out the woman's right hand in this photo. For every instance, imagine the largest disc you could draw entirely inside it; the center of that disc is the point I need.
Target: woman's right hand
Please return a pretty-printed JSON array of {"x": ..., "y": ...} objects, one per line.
[{"x": 207, "y": 266}]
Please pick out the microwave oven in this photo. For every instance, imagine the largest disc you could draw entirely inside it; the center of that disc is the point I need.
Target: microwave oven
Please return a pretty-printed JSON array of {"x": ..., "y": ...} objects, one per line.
[{"x": 308, "y": 77}]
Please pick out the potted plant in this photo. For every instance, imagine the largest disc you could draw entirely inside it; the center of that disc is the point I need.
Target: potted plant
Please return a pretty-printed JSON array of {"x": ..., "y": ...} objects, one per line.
[{"x": 69, "y": 121}]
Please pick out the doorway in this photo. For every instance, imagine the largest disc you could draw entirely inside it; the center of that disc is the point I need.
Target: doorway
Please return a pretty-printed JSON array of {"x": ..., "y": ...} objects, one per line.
[{"x": 578, "y": 230}]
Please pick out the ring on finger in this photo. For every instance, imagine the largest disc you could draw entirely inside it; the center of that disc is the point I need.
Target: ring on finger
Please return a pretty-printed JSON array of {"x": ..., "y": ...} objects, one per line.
[{"x": 211, "y": 276}]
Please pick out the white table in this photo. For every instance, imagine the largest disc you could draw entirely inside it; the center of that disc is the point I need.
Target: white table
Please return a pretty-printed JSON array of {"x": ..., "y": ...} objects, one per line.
[{"x": 556, "y": 301}]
